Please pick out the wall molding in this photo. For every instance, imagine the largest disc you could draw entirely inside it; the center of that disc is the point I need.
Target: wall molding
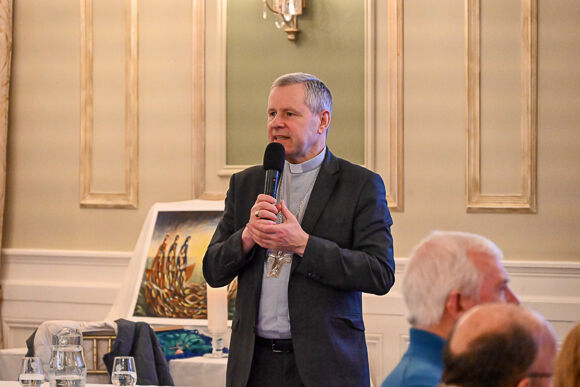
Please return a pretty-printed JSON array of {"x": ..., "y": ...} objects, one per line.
[
  {"x": 12, "y": 256},
  {"x": 43, "y": 284},
  {"x": 10, "y": 327},
  {"x": 383, "y": 91},
  {"x": 384, "y": 95},
  {"x": 550, "y": 269},
  {"x": 20, "y": 264},
  {"x": 375, "y": 344},
  {"x": 88, "y": 196},
  {"x": 215, "y": 181},
  {"x": 99, "y": 293},
  {"x": 525, "y": 201},
  {"x": 198, "y": 99}
]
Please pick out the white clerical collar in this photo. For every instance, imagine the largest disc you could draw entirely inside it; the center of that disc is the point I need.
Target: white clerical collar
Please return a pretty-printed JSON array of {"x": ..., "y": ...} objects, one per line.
[{"x": 308, "y": 165}]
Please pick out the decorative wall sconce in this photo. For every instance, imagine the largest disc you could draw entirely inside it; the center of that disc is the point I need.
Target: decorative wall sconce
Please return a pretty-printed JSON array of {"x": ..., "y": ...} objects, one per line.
[{"x": 287, "y": 11}]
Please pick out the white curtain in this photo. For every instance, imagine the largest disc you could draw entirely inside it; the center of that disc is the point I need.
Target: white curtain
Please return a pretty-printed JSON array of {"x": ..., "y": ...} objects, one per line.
[{"x": 5, "y": 60}]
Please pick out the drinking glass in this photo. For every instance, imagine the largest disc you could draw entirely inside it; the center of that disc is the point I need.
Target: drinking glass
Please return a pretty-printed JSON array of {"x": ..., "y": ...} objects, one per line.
[
  {"x": 31, "y": 373},
  {"x": 217, "y": 345},
  {"x": 124, "y": 372}
]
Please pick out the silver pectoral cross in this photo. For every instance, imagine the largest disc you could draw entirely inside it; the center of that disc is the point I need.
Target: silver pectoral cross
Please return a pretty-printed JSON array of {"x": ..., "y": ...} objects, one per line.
[{"x": 277, "y": 259}]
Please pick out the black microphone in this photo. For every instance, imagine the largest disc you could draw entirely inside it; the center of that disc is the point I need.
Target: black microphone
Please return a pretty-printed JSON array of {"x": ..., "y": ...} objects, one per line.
[{"x": 274, "y": 157}]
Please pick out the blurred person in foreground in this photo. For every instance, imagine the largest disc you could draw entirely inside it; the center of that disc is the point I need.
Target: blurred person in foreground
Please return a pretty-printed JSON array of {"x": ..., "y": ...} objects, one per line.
[
  {"x": 500, "y": 345},
  {"x": 448, "y": 273},
  {"x": 302, "y": 325},
  {"x": 567, "y": 367}
]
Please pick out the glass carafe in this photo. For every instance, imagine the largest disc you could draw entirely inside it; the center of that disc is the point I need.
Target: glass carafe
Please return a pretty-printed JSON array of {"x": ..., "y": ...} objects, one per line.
[{"x": 67, "y": 366}]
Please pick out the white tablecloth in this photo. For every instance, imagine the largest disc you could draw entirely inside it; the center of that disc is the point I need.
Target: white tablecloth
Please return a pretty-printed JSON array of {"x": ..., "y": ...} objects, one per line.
[
  {"x": 10, "y": 363},
  {"x": 199, "y": 371}
]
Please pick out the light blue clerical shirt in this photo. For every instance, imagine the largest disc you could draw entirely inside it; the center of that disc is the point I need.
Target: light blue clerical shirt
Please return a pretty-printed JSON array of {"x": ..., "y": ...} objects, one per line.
[{"x": 295, "y": 189}]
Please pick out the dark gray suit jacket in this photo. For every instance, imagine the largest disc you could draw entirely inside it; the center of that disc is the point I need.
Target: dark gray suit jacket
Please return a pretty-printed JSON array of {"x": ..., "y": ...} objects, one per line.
[{"x": 349, "y": 251}]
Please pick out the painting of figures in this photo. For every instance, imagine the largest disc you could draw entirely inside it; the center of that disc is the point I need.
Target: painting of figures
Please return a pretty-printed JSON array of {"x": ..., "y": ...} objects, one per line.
[{"x": 172, "y": 285}]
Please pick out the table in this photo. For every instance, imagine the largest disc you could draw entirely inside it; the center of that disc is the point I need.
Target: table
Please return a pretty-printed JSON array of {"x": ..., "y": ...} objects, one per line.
[
  {"x": 10, "y": 363},
  {"x": 192, "y": 372},
  {"x": 199, "y": 371}
]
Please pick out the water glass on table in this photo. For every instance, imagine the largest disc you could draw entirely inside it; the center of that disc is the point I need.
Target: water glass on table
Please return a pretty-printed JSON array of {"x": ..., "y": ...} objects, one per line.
[
  {"x": 31, "y": 373},
  {"x": 124, "y": 371}
]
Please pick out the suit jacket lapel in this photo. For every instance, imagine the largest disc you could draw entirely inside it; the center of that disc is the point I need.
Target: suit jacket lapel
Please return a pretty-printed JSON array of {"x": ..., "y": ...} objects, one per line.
[{"x": 323, "y": 188}]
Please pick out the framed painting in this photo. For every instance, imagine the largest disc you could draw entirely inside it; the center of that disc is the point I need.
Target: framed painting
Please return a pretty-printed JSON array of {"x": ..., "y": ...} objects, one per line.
[{"x": 171, "y": 288}]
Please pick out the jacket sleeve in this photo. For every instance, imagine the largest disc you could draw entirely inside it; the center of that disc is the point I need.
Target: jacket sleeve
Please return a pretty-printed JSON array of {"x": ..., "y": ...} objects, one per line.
[
  {"x": 358, "y": 254},
  {"x": 224, "y": 258}
]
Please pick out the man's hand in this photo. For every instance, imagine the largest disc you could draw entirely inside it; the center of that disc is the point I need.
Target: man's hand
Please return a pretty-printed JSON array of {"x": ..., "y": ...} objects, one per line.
[
  {"x": 264, "y": 211},
  {"x": 287, "y": 236}
]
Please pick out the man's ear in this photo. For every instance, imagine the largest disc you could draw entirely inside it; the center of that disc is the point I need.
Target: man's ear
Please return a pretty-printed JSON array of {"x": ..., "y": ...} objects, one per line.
[
  {"x": 453, "y": 305},
  {"x": 324, "y": 121},
  {"x": 457, "y": 304}
]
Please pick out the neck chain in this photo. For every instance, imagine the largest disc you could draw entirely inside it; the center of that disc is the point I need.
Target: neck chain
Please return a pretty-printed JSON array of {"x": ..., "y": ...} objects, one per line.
[{"x": 276, "y": 258}]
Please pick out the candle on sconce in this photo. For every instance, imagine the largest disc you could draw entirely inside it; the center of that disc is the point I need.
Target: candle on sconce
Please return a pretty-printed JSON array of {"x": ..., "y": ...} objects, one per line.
[{"x": 217, "y": 309}]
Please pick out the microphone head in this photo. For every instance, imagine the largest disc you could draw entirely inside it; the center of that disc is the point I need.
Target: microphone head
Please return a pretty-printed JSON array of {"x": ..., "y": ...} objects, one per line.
[{"x": 274, "y": 156}]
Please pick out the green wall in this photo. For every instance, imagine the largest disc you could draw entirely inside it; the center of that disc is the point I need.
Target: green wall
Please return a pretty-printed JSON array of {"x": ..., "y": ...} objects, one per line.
[{"x": 330, "y": 46}]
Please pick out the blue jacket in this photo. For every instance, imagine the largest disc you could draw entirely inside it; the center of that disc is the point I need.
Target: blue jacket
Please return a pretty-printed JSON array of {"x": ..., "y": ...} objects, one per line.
[{"x": 421, "y": 365}]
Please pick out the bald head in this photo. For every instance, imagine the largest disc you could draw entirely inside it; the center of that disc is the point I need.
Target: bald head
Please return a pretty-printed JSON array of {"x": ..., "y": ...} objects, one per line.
[
  {"x": 495, "y": 318},
  {"x": 499, "y": 343}
]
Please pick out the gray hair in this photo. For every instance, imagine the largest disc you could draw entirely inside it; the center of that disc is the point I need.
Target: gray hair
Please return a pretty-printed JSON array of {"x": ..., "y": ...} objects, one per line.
[
  {"x": 438, "y": 265},
  {"x": 318, "y": 96}
]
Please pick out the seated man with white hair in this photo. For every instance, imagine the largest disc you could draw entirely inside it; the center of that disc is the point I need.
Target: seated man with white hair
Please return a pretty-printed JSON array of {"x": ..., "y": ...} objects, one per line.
[
  {"x": 500, "y": 345},
  {"x": 447, "y": 274}
]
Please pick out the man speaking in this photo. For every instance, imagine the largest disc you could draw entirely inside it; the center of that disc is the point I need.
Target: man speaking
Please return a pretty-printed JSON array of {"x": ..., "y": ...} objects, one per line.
[{"x": 302, "y": 258}]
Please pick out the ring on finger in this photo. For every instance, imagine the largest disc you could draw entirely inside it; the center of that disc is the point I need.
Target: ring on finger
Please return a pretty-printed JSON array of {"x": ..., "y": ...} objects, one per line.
[{"x": 257, "y": 213}]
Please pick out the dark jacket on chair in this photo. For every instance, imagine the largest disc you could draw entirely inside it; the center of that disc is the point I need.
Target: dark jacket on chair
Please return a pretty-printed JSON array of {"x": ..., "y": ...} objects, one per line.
[{"x": 138, "y": 339}]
